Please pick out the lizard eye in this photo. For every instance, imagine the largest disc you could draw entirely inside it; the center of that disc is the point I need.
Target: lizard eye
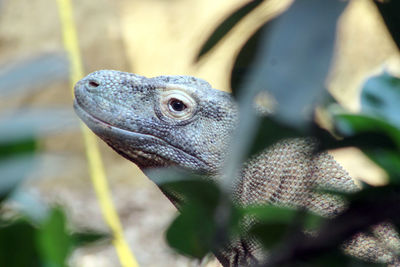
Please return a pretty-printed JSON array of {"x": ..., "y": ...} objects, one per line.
[{"x": 177, "y": 104}]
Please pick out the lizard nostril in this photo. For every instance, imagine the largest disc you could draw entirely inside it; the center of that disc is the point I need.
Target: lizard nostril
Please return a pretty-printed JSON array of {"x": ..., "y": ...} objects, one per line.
[{"x": 93, "y": 84}]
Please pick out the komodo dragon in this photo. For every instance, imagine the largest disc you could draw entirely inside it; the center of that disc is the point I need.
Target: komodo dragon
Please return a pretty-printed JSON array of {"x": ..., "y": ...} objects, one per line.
[{"x": 182, "y": 121}]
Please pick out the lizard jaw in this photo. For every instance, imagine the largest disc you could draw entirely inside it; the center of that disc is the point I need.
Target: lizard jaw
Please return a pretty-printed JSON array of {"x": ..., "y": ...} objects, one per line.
[{"x": 140, "y": 153}]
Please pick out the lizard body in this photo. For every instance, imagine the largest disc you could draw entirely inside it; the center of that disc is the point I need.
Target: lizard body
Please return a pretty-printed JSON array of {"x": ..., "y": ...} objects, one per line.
[{"x": 182, "y": 121}]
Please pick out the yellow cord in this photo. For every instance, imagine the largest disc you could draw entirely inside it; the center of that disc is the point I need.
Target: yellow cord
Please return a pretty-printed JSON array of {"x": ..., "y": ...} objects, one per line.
[{"x": 97, "y": 173}]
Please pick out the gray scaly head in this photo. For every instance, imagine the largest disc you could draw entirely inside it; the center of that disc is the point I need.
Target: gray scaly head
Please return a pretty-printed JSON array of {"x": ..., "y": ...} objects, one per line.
[{"x": 160, "y": 121}]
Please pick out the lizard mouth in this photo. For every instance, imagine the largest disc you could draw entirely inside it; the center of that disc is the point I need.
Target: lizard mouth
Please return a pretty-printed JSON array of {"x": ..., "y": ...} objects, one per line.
[
  {"x": 94, "y": 122},
  {"x": 103, "y": 129}
]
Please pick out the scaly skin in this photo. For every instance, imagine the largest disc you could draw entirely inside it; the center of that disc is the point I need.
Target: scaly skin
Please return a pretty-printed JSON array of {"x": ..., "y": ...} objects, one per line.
[{"x": 182, "y": 121}]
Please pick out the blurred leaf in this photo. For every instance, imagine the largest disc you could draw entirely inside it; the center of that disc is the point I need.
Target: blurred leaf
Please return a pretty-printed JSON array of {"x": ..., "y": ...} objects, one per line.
[
  {"x": 45, "y": 245},
  {"x": 269, "y": 234},
  {"x": 196, "y": 225},
  {"x": 282, "y": 215},
  {"x": 17, "y": 244},
  {"x": 352, "y": 124},
  {"x": 380, "y": 97},
  {"x": 269, "y": 132},
  {"x": 31, "y": 123},
  {"x": 294, "y": 57},
  {"x": 199, "y": 222},
  {"x": 196, "y": 220},
  {"x": 367, "y": 207},
  {"x": 273, "y": 223},
  {"x": 389, "y": 10},
  {"x": 35, "y": 73},
  {"x": 226, "y": 26},
  {"x": 336, "y": 258},
  {"x": 13, "y": 170},
  {"x": 86, "y": 238},
  {"x": 245, "y": 58},
  {"x": 377, "y": 138},
  {"x": 389, "y": 160},
  {"x": 271, "y": 214},
  {"x": 21, "y": 147},
  {"x": 53, "y": 241}
]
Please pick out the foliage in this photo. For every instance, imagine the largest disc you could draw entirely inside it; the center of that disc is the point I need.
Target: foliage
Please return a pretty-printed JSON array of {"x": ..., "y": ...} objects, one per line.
[
  {"x": 289, "y": 59},
  {"x": 32, "y": 235}
]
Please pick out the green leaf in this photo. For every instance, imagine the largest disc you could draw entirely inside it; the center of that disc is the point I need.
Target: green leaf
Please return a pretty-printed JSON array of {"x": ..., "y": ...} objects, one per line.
[
  {"x": 226, "y": 26},
  {"x": 389, "y": 160},
  {"x": 269, "y": 234},
  {"x": 272, "y": 224},
  {"x": 376, "y": 137},
  {"x": 17, "y": 244},
  {"x": 53, "y": 241},
  {"x": 192, "y": 232},
  {"x": 89, "y": 237},
  {"x": 282, "y": 215},
  {"x": 17, "y": 148},
  {"x": 352, "y": 124},
  {"x": 207, "y": 216},
  {"x": 380, "y": 97}
]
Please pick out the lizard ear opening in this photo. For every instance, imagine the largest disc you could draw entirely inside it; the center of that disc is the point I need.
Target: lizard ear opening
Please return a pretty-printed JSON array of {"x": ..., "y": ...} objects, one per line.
[{"x": 177, "y": 104}]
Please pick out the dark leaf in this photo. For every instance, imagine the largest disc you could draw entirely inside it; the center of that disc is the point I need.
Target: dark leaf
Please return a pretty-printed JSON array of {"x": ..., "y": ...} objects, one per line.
[
  {"x": 203, "y": 221},
  {"x": 89, "y": 237},
  {"x": 367, "y": 207},
  {"x": 351, "y": 124},
  {"x": 226, "y": 26},
  {"x": 388, "y": 159},
  {"x": 273, "y": 223},
  {"x": 281, "y": 215},
  {"x": 192, "y": 232},
  {"x": 17, "y": 244},
  {"x": 245, "y": 59},
  {"x": 377, "y": 138},
  {"x": 389, "y": 10},
  {"x": 269, "y": 234},
  {"x": 336, "y": 258},
  {"x": 17, "y": 148}
]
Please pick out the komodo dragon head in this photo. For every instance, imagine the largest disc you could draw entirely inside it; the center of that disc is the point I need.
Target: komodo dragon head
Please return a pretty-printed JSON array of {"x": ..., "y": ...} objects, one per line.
[{"x": 160, "y": 121}]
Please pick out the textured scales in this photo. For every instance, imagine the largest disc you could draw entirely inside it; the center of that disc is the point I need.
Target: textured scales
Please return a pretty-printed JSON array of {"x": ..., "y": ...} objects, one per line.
[{"x": 182, "y": 121}]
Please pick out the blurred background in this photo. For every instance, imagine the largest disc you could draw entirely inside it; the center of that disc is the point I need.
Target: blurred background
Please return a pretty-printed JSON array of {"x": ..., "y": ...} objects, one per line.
[{"x": 150, "y": 38}]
